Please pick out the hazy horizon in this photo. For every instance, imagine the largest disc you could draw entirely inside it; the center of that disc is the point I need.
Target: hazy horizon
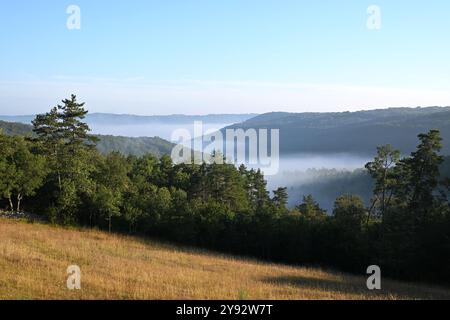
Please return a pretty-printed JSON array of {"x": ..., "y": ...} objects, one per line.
[{"x": 6, "y": 114}]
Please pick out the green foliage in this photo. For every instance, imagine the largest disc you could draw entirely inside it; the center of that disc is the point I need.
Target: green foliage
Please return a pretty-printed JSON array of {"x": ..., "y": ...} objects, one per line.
[
  {"x": 64, "y": 139},
  {"x": 16, "y": 129},
  {"x": 412, "y": 227},
  {"x": 138, "y": 146},
  {"x": 419, "y": 173},
  {"x": 21, "y": 171},
  {"x": 311, "y": 210},
  {"x": 383, "y": 171},
  {"x": 350, "y": 212},
  {"x": 280, "y": 199},
  {"x": 112, "y": 181}
]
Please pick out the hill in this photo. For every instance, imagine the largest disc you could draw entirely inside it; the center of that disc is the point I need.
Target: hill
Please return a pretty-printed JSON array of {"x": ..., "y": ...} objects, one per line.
[
  {"x": 134, "y": 146},
  {"x": 128, "y": 119},
  {"x": 34, "y": 258},
  {"x": 126, "y": 145},
  {"x": 16, "y": 129},
  {"x": 353, "y": 132}
]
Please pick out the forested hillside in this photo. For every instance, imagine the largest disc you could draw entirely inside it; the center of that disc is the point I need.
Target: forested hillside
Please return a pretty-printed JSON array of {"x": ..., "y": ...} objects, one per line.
[
  {"x": 134, "y": 146},
  {"x": 405, "y": 228},
  {"x": 354, "y": 132},
  {"x": 106, "y": 143},
  {"x": 16, "y": 129}
]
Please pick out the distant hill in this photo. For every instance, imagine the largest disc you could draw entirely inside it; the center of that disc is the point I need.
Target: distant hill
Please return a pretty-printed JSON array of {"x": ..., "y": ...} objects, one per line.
[
  {"x": 127, "y": 125},
  {"x": 353, "y": 132},
  {"x": 16, "y": 129},
  {"x": 127, "y": 119},
  {"x": 125, "y": 145},
  {"x": 134, "y": 146}
]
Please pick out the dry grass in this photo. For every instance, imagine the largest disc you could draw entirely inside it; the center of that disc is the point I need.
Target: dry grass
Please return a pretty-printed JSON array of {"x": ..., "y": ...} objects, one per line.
[{"x": 34, "y": 259}]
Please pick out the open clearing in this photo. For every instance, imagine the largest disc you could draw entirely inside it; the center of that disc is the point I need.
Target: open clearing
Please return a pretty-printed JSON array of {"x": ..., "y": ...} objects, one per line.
[{"x": 34, "y": 259}]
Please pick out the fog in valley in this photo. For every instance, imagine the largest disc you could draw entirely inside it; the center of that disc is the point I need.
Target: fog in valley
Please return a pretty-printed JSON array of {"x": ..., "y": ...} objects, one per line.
[
  {"x": 295, "y": 169},
  {"x": 324, "y": 175}
]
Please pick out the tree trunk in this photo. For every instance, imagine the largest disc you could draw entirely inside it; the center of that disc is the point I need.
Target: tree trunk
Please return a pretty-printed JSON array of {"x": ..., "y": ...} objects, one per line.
[
  {"x": 57, "y": 167},
  {"x": 370, "y": 210},
  {"x": 383, "y": 194},
  {"x": 11, "y": 203},
  {"x": 19, "y": 198},
  {"x": 59, "y": 181},
  {"x": 109, "y": 227}
]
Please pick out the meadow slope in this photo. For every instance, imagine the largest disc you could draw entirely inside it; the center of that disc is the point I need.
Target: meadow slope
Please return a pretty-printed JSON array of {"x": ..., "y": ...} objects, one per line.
[{"x": 34, "y": 258}]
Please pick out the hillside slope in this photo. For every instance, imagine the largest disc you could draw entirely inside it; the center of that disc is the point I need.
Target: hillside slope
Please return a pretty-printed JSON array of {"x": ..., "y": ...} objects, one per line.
[
  {"x": 353, "y": 132},
  {"x": 107, "y": 143},
  {"x": 34, "y": 259}
]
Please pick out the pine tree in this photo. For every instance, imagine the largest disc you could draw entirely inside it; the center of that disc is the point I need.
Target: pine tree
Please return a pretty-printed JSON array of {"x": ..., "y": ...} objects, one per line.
[
  {"x": 383, "y": 171},
  {"x": 311, "y": 210},
  {"x": 74, "y": 131},
  {"x": 280, "y": 199},
  {"x": 420, "y": 173},
  {"x": 65, "y": 140}
]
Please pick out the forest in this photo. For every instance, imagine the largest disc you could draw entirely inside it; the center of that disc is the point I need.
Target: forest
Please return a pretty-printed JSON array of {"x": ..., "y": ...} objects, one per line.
[
  {"x": 358, "y": 132},
  {"x": 59, "y": 173}
]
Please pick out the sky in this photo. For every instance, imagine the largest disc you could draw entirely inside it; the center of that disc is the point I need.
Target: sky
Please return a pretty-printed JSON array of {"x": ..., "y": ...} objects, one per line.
[{"x": 235, "y": 56}]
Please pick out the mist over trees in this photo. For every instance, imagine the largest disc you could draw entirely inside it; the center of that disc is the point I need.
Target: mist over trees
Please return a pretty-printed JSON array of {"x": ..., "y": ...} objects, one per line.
[{"x": 59, "y": 174}]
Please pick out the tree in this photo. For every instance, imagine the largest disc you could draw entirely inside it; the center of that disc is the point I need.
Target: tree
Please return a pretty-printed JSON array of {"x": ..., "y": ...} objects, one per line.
[
  {"x": 382, "y": 170},
  {"x": 74, "y": 131},
  {"x": 65, "y": 141},
  {"x": 412, "y": 230},
  {"x": 256, "y": 189},
  {"x": 21, "y": 171},
  {"x": 48, "y": 130},
  {"x": 280, "y": 199},
  {"x": 132, "y": 214},
  {"x": 349, "y": 211},
  {"x": 311, "y": 210},
  {"x": 420, "y": 172},
  {"x": 225, "y": 184},
  {"x": 108, "y": 204},
  {"x": 112, "y": 182}
]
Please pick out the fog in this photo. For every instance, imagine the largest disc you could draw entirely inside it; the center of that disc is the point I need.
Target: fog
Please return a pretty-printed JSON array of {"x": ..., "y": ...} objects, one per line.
[
  {"x": 294, "y": 168},
  {"x": 161, "y": 130},
  {"x": 324, "y": 175}
]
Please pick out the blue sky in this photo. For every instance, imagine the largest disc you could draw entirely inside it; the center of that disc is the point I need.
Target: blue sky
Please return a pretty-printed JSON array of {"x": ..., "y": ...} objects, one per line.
[{"x": 211, "y": 56}]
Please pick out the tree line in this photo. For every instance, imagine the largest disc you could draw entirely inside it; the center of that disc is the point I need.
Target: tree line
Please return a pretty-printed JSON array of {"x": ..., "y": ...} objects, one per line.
[{"x": 59, "y": 174}]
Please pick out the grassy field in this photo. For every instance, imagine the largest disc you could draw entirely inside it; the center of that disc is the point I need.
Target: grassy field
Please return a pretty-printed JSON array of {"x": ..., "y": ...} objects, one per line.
[{"x": 34, "y": 258}]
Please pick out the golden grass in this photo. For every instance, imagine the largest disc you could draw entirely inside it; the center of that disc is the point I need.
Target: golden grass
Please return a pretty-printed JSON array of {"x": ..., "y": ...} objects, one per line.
[{"x": 34, "y": 259}]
